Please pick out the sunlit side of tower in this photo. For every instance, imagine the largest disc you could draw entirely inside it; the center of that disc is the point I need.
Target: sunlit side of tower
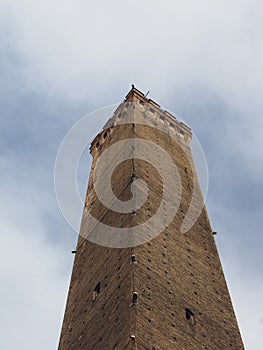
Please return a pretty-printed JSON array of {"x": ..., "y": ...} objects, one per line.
[{"x": 168, "y": 292}]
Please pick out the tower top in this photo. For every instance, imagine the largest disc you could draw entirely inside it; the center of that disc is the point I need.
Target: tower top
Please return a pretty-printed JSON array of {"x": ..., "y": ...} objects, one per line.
[
  {"x": 156, "y": 115},
  {"x": 135, "y": 95}
]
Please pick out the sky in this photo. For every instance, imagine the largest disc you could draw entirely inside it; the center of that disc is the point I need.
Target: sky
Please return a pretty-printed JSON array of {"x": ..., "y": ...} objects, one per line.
[{"x": 61, "y": 60}]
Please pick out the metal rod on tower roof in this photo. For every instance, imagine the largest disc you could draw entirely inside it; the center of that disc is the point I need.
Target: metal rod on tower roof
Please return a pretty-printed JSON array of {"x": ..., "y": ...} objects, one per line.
[{"x": 147, "y": 93}]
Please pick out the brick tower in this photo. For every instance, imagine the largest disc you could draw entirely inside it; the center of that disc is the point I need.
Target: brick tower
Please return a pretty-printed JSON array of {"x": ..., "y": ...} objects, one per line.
[{"x": 139, "y": 289}]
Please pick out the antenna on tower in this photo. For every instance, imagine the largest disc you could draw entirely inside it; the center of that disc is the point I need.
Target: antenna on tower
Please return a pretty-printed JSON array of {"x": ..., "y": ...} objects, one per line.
[{"x": 147, "y": 93}]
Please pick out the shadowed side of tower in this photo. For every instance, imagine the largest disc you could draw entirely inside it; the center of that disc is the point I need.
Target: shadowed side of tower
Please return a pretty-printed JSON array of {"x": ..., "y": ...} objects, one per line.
[{"x": 170, "y": 291}]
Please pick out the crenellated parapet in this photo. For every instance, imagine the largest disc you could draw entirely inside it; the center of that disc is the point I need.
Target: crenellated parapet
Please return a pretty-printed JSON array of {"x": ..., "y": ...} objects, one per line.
[{"x": 138, "y": 109}]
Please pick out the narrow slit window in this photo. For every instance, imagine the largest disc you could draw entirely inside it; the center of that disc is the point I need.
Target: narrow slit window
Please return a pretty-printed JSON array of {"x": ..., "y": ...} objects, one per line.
[
  {"x": 134, "y": 298},
  {"x": 133, "y": 258},
  {"x": 189, "y": 315},
  {"x": 96, "y": 291}
]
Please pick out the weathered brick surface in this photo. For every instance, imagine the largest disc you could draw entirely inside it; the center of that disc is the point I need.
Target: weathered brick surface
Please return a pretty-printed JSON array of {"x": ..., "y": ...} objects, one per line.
[{"x": 174, "y": 271}]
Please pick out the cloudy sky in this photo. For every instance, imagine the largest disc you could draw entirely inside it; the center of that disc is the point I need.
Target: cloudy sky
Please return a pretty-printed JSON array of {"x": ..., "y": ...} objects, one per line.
[{"x": 61, "y": 60}]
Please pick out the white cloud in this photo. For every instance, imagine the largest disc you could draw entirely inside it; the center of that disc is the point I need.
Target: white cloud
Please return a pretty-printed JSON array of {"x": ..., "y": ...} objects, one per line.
[
  {"x": 68, "y": 44},
  {"x": 246, "y": 292},
  {"x": 33, "y": 290},
  {"x": 33, "y": 265}
]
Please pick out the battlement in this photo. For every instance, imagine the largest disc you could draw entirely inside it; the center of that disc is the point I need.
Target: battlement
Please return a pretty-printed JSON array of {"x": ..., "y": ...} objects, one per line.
[{"x": 137, "y": 108}]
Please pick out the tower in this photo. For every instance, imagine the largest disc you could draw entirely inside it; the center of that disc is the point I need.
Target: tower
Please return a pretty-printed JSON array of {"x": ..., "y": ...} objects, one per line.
[{"x": 137, "y": 282}]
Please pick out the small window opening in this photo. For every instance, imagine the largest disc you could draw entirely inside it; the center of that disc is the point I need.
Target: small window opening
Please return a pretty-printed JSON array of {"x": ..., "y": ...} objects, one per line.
[
  {"x": 134, "y": 298},
  {"x": 73, "y": 251},
  {"x": 96, "y": 291},
  {"x": 133, "y": 259},
  {"x": 189, "y": 315}
]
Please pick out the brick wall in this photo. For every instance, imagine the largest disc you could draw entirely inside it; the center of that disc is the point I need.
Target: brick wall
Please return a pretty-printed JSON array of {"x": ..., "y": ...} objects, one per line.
[{"x": 183, "y": 301}]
